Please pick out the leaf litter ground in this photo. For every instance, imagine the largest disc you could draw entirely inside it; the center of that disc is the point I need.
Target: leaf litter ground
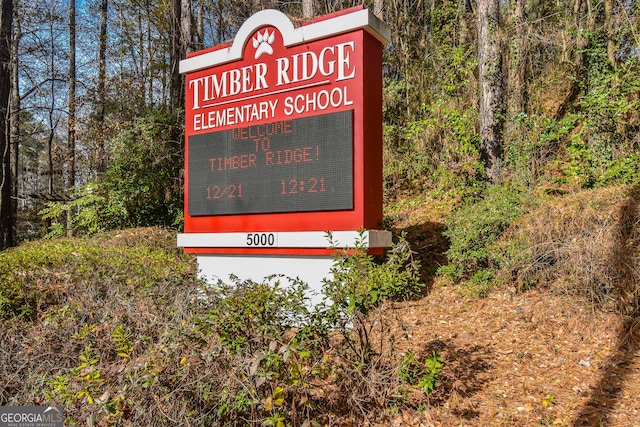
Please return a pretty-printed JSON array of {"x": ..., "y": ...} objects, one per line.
[
  {"x": 524, "y": 359},
  {"x": 514, "y": 358}
]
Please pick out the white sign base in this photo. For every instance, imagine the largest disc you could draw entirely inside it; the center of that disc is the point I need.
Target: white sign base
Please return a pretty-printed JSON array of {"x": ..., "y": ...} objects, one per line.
[
  {"x": 311, "y": 269},
  {"x": 214, "y": 268}
]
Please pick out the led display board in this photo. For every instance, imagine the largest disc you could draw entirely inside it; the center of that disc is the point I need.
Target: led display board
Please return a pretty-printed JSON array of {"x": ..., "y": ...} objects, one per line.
[{"x": 298, "y": 165}]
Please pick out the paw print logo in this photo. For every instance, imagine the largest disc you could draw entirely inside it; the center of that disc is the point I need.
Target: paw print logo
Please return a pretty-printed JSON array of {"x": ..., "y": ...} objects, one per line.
[{"x": 262, "y": 43}]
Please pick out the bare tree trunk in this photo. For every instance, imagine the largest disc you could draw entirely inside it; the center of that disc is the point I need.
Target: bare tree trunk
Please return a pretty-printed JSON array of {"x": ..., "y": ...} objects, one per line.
[
  {"x": 175, "y": 82},
  {"x": 307, "y": 8},
  {"x": 578, "y": 25},
  {"x": 52, "y": 129},
  {"x": 101, "y": 163},
  {"x": 518, "y": 63},
  {"x": 14, "y": 112},
  {"x": 149, "y": 50},
  {"x": 378, "y": 6},
  {"x": 142, "y": 75},
  {"x": 199, "y": 30},
  {"x": 491, "y": 87},
  {"x": 608, "y": 24},
  {"x": 186, "y": 28},
  {"x": 52, "y": 106},
  {"x": 71, "y": 130},
  {"x": 6, "y": 211}
]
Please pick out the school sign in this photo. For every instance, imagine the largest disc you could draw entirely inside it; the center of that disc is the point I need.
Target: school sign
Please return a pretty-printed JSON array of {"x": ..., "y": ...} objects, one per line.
[{"x": 284, "y": 143}]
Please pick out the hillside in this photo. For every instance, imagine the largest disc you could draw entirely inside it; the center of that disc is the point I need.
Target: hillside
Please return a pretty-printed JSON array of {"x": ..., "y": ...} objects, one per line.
[
  {"x": 526, "y": 359},
  {"x": 116, "y": 328},
  {"x": 545, "y": 346}
]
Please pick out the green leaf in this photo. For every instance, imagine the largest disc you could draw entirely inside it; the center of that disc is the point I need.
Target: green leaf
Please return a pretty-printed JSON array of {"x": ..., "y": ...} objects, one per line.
[{"x": 278, "y": 396}]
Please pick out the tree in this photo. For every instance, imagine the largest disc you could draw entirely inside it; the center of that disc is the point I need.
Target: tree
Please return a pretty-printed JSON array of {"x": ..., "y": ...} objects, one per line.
[
  {"x": 100, "y": 109},
  {"x": 378, "y": 6},
  {"x": 176, "y": 88},
  {"x": 518, "y": 60},
  {"x": 187, "y": 32},
  {"x": 14, "y": 112},
  {"x": 6, "y": 210},
  {"x": 491, "y": 87},
  {"x": 71, "y": 129},
  {"x": 307, "y": 9},
  {"x": 610, "y": 34}
]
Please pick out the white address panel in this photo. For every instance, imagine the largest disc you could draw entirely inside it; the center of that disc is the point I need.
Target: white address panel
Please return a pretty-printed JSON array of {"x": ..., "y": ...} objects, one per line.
[{"x": 268, "y": 239}]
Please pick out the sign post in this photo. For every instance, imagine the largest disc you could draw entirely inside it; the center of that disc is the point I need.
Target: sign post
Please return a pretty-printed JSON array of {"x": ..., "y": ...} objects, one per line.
[{"x": 284, "y": 144}]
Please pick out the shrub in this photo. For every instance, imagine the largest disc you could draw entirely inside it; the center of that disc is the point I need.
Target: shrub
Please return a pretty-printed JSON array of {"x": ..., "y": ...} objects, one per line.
[
  {"x": 360, "y": 282},
  {"x": 438, "y": 150},
  {"x": 141, "y": 186},
  {"x": 38, "y": 275},
  {"x": 132, "y": 339},
  {"x": 358, "y": 305},
  {"x": 142, "y": 182},
  {"x": 475, "y": 227},
  {"x": 423, "y": 375}
]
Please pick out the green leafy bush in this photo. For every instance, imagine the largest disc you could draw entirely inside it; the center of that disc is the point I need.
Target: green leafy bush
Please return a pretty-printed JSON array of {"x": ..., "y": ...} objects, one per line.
[
  {"x": 423, "y": 375},
  {"x": 439, "y": 149},
  {"x": 247, "y": 316},
  {"x": 40, "y": 274},
  {"x": 359, "y": 295},
  {"x": 142, "y": 182},
  {"x": 359, "y": 282},
  {"x": 601, "y": 144},
  {"x": 141, "y": 186},
  {"x": 475, "y": 227}
]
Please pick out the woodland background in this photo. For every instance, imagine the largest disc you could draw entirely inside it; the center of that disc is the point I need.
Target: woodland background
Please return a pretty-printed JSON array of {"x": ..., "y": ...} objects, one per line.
[{"x": 526, "y": 93}]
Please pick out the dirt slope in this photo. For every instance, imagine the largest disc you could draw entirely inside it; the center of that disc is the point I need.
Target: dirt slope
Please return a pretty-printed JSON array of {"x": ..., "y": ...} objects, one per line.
[{"x": 520, "y": 358}]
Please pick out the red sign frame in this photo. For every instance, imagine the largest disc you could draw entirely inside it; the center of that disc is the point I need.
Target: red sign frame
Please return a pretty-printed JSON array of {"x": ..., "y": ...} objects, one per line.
[{"x": 271, "y": 75}]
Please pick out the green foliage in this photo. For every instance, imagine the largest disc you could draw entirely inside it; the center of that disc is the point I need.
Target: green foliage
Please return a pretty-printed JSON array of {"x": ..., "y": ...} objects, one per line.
[
  {"x": 539, "y": 139},
  {"x": 248, "y": 316},
  {"x": 142, "y": 183},
  {"x": 133, "y": 339},
  {"x": 357, "y": 307},
  {"x": 277, "y": 345},
  {"x": 423, "y": 375},
  {"x": 439, "y": 149},
  {"x": 64, "y": 263},
  {"x": 80, "y": 382},
  {"x": 481, "y": 282},
  {"x": 429, "y": 127},
  {"x": 360, "y": 283},
  {"x": 600, "y": 137},
  {"x": 475, "y": 227},
  {"x": 141, "y": 186},
  {"x": 432, "y": 368},
  {"x": 623, "y": 170},
  {"x": 87, "y": 207},
  {"x": 123, "y": 341}
]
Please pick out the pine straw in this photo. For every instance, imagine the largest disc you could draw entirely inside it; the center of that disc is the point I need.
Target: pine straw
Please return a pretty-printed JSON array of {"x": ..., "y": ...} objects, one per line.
[
  {"x": 585, "y": 245},
  {"x": 524, "y": 359},
  {"x": 559, "y": 343}
]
